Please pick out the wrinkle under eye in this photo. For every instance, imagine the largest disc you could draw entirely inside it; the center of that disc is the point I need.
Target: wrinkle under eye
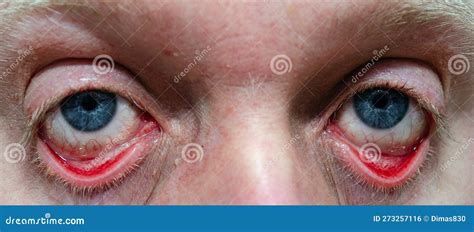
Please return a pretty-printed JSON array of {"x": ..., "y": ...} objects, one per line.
[{"x": 89, "y": 111}]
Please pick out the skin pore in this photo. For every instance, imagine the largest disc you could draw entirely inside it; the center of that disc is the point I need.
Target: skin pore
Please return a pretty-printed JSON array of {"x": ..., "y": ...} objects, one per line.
[{"x": 262, "y": 133}]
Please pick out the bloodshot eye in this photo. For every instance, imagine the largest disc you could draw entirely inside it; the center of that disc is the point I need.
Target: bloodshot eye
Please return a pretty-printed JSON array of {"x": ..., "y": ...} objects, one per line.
[
  {"x": 93, "y": 138},
  {"x": 380, "y": 133}
]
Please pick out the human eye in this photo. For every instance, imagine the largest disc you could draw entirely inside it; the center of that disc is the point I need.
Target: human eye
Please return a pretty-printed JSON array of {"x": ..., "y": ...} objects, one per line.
[
  {"x": 382, "y": 131},
  {"x": 88, "y": 130}
]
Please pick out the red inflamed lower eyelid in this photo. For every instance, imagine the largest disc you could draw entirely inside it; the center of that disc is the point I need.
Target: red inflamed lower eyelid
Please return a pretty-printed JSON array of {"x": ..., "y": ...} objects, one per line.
[
  {"x": 379, "y": 169},
  {"x": 111, "y": 164}
]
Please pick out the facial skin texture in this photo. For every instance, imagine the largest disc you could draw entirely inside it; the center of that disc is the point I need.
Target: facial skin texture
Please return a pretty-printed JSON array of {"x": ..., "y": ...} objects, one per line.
[{"x": 260, "y": 131}]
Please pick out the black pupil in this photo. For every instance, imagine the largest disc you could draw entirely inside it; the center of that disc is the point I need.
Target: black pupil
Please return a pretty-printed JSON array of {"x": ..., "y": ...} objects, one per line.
[
  {"x": 90, "y": 110},
  {"x": 88, "y": 103},
  {"x": 380, "y": 101},
  {"x": 381, "y": 108}
]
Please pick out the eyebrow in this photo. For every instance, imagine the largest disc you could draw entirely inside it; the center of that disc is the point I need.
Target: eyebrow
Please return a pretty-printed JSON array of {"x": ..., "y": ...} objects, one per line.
[{"x": 439, "y": 14}]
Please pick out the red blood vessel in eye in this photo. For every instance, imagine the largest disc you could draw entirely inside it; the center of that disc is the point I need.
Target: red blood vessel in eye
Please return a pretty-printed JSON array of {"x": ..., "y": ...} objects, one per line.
[{"x": 386, "y": 170}]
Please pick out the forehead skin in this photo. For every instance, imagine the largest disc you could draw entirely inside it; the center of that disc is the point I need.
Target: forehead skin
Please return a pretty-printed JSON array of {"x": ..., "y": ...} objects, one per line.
[{"x": 248, "y": 34}]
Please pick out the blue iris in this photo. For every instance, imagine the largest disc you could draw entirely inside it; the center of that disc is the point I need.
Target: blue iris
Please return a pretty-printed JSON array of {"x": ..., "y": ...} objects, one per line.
[
  {"x": 381, "y": 108},
  {"x": 89, "y": 111}
]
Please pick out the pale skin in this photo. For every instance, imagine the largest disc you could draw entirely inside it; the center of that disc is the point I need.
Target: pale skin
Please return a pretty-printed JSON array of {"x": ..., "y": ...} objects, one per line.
[{"x": 260, "y": 132}]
